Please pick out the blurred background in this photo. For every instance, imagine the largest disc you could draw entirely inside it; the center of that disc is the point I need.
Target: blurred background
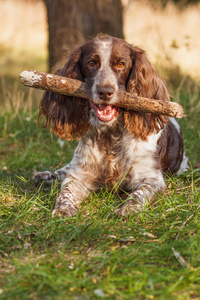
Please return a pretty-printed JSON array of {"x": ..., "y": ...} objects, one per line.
[{"x": 167, "y": 30}]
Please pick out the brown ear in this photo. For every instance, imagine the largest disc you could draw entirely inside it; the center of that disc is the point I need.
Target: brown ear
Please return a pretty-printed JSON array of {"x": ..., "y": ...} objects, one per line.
[
  {"x": 144, "y": 81},
  {"x": 67, "y": 116}
]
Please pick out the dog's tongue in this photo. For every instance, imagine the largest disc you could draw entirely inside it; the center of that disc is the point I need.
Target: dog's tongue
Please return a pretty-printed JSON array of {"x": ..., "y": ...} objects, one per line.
[{"x": 105, "y": 112}]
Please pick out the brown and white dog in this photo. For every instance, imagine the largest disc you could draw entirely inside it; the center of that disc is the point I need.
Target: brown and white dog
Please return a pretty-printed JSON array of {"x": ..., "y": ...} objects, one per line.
[{"x": 128, "y": 149}]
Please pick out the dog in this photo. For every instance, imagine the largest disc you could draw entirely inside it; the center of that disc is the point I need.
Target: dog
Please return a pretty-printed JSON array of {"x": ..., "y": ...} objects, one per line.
[{"x": 118, "y": 148}]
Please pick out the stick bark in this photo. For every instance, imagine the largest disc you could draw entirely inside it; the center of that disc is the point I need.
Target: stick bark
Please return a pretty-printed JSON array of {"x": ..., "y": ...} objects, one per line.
[{"x": 73, "y": 87}]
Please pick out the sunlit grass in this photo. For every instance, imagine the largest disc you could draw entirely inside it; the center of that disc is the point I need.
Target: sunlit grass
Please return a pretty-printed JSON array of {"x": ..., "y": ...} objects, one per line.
[
  {"x": 168, "y": 35},
  {"x": 23, "y": 45},
  {"x": 24, "y": 27}
]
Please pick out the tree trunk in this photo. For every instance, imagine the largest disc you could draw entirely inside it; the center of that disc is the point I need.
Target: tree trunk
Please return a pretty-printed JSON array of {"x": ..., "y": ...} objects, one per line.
[{"x": 72, "y": 22}]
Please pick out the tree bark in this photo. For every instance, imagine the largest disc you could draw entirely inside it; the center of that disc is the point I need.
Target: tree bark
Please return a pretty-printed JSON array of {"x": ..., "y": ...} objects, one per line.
[
  {"x": 72, "y": 22},
  {"x": 73, "y": 87}
]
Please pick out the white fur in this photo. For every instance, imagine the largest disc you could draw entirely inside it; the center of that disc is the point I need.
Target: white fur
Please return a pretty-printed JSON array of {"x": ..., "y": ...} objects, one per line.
[
  {"x": 105, "y": 75},
  {"x": 175, "y": 123},
  {"x": 184, "y": 165}
]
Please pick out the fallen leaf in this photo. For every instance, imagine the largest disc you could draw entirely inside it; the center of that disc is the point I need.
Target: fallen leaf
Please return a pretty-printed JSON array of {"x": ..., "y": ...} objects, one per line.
[{"x": 99, "y": 293}]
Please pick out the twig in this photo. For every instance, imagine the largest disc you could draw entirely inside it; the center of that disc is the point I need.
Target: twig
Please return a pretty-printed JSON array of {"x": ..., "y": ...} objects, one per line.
[
  {"x": 72, "y": 87},
  {"x": 180, "y": 259},
  {"x": 184, "y": 223}
]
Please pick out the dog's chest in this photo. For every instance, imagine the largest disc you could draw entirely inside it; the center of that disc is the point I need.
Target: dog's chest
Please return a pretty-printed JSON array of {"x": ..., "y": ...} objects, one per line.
[{"x": 115, "y": 156}]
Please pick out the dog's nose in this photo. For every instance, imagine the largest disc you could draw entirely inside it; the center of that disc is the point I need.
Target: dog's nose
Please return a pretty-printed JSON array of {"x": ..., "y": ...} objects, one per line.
[{"x": 105, "y": 92}]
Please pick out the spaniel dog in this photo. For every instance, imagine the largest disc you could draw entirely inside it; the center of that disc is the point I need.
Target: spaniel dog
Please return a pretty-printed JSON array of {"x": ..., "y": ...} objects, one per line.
[{"x": 128, "y": 150}]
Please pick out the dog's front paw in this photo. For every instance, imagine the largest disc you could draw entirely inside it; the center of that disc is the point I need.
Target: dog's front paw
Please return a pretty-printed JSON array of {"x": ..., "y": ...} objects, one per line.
[
  {"x": 44, "y": 176},
  {"x": 67, "y": 212},
  {"x": 130, "y": 207}
]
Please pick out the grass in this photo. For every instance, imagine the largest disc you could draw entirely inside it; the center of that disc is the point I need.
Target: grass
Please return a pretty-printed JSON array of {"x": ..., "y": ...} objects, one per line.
[{"x": 95, "y": 255}]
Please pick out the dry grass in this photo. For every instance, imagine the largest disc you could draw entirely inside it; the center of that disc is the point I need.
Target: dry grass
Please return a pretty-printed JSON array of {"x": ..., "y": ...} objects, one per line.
[
  {"x": 24, "y": 25},
  {"x": 169, "y": 34},
  {"x": 23, "y": 45}
]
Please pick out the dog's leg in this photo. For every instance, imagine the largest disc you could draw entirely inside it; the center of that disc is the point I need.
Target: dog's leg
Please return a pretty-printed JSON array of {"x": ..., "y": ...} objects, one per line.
[
  {"x": 73, "y": 190},
  {"x": 141, "y": 196}
]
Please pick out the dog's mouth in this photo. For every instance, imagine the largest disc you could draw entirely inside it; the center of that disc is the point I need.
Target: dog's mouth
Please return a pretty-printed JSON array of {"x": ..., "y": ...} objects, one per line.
[{"x": 104, "y": 112}]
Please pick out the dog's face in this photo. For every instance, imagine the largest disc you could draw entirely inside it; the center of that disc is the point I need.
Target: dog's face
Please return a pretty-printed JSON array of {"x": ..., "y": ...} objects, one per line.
[{"x": 106, "y": 65}]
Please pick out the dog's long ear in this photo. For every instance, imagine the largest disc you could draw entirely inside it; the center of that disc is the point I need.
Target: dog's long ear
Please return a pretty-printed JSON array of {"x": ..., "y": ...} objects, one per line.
[
  {"x": 67, "y": 116},
  {"x": 144, "y": 81}
]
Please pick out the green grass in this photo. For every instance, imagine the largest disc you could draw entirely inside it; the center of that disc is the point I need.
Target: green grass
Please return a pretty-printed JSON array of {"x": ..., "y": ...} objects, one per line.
[
  {"x": 12, "y": 63},
  {"x": 95, "y": 255}
]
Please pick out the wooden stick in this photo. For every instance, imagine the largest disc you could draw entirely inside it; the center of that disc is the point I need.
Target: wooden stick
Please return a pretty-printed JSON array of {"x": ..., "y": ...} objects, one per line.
[{"x": 73, "y": 87}]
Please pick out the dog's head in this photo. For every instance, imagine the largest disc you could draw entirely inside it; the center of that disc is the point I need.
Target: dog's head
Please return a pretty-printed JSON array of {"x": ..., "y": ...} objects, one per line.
[{"x": 107, "y": 65}]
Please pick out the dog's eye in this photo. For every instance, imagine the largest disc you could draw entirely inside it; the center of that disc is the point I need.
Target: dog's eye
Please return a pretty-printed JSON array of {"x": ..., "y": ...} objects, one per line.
[
  {"x": 91, "y": 63},
  {"x": 120, "y": 64}
]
